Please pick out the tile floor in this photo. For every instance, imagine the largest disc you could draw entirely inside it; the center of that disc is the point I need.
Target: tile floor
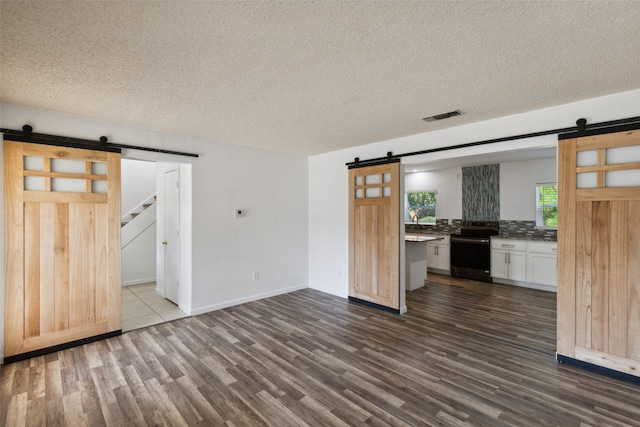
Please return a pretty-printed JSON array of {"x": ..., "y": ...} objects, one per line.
[{"x": 142, "y": 306}]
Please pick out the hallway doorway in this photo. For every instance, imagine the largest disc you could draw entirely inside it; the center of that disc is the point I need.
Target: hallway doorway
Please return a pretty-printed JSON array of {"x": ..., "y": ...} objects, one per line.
[{"x": 156, "y": 273}]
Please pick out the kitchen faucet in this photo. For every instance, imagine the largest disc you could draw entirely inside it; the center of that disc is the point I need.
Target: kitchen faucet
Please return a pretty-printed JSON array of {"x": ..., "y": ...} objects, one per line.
[{"x": 415, "y": 218}]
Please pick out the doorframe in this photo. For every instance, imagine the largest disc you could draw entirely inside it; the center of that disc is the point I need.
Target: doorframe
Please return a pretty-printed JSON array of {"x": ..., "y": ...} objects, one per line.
[
  {"x": 162, "y": 232},
  {"x": 185, "y": 236},
  {"x": 163, "y": 164}
]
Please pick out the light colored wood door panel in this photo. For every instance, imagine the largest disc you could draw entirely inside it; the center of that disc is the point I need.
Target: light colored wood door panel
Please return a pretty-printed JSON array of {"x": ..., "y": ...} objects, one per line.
[
  {"x": 374, "y": 234},
  {"x": 582, "y": 274},
  {"x": 567, "y": 293},
  {"x": 600, "y": 277},
  {"x": 599, "y": 253},
  {"x": 62, "y": 257},
  {"x": 61, "y": 262},
  {"x": 618, "y": 279},
  {"x": 632, "y": 294}
]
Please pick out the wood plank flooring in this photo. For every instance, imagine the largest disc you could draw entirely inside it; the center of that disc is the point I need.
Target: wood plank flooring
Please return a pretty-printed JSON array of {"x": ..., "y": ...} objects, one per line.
[{"x": 467, "y": 354}]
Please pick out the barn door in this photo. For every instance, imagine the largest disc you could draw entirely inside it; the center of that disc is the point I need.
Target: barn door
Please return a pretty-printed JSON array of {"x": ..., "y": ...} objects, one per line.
[
  {"x": 62, "y": 246},
  {"x": 599, "y": 250},
  {"x": 374, "y": 234}
]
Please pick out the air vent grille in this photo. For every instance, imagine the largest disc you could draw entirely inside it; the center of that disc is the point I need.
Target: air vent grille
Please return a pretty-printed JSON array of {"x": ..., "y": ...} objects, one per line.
[{"x": 442, "y": 116}]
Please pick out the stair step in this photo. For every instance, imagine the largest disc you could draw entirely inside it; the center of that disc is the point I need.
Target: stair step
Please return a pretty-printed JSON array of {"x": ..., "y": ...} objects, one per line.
[{"x": 140, "y": 208}]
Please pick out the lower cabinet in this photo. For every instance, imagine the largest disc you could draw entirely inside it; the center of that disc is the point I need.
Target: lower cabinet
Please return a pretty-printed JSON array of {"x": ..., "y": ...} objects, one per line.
[
  {"x": 525, "y": 262},
  {"x": 438, "y": 255},
  {"x": 542, "y": 263},
  {"x": 508, "y": 259}
]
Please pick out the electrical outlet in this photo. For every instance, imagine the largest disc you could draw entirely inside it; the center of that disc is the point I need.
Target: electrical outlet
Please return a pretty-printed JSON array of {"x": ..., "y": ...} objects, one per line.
[
  {"x": 240, "y": 213},
  {"x": 256, "y": 275}
]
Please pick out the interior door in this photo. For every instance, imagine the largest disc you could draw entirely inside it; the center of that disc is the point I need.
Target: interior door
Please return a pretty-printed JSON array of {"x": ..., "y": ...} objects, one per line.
[
  {"x": 62, "y": 245},
  {"x": 171, "y": 235},
  {"x": 374, "y": 234},
  {"x": 599, "y": 250}
]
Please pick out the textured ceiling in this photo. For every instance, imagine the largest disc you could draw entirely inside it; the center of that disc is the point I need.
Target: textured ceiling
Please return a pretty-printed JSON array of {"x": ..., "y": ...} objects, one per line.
[{"x": 312, "y": 77}]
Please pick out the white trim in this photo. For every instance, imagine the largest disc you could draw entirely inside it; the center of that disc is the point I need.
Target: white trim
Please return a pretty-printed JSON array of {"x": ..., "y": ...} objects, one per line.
[
  {"x": 138, "y": 281},
  {"x": 405, "y": 206},
  {"x": 539, "y": 206},
  {"x": 243, "y": 300},
  {"x": 529, "y": 285},
  {"x": 159, "y": 291}
]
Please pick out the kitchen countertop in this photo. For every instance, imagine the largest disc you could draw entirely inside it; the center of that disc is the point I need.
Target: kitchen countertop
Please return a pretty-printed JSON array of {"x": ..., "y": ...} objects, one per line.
[
  {"x": 420, "y": 238},
  {"x": 528, "y": 238},
  {"x": 430, "y": 233},
  {"x": 439, "y": 235}
]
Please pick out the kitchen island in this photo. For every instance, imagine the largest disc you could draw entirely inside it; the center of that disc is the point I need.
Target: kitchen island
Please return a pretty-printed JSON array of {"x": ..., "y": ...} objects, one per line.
[{"x": 416, "y": 259}]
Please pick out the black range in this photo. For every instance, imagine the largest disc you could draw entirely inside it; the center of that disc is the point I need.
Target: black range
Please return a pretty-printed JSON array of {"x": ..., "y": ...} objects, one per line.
[{"x": 471, "y": 250}]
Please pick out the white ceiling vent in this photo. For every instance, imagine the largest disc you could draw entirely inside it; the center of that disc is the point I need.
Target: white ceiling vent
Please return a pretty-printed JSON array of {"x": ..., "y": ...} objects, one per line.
[{"x": 442, "y": 116}]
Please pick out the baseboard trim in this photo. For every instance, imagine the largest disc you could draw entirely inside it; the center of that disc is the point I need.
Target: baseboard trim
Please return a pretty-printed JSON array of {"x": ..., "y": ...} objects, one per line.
[
  {"x": 612, "y": 373},
  {"x": 64, "y": 346},
  {"x": 529, "y": 285},
  {"x": 438, "y": 271},
  {"x": 374, "y": 305},
  {"x": 138, "y": 281},
  {"x": 231, "y": 303}
]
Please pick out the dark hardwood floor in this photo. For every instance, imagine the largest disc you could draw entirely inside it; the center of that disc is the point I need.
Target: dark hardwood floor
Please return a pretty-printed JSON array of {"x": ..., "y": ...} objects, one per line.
[{"x": 466, "y": 354}]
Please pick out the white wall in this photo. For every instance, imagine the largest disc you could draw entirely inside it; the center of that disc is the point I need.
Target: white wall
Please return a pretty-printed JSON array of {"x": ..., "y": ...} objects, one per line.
[
  {"x": 448, "y": 183},
  {"x": 328, "y": 215},
  {"x": 138, "y": 180},
  {"x": 518, "y": 187},
  {"x": 272, "y": 237},
  {"x": 139, "y": 258},
  {"x": 272, "y": 187}
]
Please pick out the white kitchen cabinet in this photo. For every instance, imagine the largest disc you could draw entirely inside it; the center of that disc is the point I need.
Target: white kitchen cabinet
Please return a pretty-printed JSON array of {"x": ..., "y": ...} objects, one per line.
[
  {"x": 438, "y": 255},
  {"x": 415, "y": 264},
  {"x": 508, "y": 259},
  {"x": 542, "y": 263}
]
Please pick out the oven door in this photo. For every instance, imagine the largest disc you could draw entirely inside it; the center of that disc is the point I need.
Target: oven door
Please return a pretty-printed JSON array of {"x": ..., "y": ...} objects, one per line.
[{"x": 471, "y": 257}]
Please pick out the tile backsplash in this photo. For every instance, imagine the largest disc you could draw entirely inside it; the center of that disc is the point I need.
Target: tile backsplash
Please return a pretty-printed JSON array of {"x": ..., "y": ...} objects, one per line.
[
  {"x": 525, "y": 230},
  {"x": 441, "y": 227},
  {"x": 481, "y": 193}
]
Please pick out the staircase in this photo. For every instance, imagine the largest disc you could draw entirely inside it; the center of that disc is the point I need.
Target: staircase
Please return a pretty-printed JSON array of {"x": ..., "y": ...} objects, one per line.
[
  {"x": 127, "y": 218},
  {"x": 138, "y": 220},
  {"x": 138, "y": 236}
]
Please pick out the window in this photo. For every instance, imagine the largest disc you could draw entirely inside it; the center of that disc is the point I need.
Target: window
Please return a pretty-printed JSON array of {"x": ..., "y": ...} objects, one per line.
[
  {"x": 420, "y": 207},
  {"x": 547, "y": 205}
]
